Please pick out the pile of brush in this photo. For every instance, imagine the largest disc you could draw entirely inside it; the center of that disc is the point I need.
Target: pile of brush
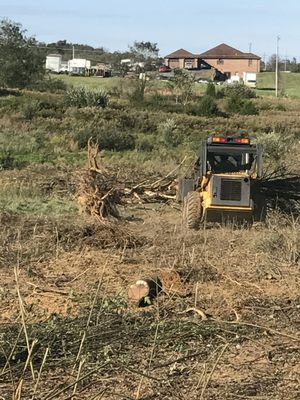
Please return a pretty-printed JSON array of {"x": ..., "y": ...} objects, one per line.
[
  {"x": 99, "y": 192},
  {"x": 281, "y": 190}
]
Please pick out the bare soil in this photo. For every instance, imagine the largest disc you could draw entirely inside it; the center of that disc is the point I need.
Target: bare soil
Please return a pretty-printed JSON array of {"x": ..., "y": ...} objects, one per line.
[{"x": 225, "y": 326}]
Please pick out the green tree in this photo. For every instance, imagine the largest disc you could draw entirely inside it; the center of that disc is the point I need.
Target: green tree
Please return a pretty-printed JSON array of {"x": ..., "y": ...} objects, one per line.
[
  {"x": 144, "y": 50},
  {"x": 20, "y": 61},
  {"x": 207, "y": 107},
  {"x": 182, "y": 85}
]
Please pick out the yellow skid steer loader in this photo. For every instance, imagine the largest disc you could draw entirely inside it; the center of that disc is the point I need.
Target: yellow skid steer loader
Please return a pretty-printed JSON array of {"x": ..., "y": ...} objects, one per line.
[{"x": 224, "y": 183}]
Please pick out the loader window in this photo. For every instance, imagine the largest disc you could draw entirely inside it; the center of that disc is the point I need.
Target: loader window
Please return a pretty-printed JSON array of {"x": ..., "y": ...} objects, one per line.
[{"x": 225, "y": 162}]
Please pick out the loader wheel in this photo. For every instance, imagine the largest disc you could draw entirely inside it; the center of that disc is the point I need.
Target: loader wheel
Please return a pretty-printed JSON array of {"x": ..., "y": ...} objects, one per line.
[{"x": 192, "y": 210}]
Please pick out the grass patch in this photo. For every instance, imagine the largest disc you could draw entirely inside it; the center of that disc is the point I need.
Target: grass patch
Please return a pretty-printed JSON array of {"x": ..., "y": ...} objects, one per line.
[
  {"x": 288, "y": 82},
  {"x": 39, "y": 206},
  {"x": 91, "y": 82}
]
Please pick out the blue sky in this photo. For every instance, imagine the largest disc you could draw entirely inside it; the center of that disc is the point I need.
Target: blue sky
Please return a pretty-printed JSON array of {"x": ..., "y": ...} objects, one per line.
[{"x": 195, "y": 25}]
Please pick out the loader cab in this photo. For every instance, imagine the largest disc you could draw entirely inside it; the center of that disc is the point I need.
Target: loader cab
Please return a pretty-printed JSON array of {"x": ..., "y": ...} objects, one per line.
[{"x": 220, "y": 155}]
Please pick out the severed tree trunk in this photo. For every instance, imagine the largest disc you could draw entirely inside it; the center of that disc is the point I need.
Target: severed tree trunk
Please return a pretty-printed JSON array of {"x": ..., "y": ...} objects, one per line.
[{"x": 144, "y": 291}]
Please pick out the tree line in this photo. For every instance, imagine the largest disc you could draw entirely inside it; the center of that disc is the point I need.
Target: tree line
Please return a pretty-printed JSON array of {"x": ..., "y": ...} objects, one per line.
[{"x": 284, "y": 64}]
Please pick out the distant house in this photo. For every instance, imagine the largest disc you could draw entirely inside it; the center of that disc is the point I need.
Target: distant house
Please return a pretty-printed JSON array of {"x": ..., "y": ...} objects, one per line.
[
  {"x": 230, "y": 61},
  {"x": 182, "y": 59},
  {"x": 79, "y": 66},
  {"x": 101, "y": 69},
  {"x": 54, "y": 62}
]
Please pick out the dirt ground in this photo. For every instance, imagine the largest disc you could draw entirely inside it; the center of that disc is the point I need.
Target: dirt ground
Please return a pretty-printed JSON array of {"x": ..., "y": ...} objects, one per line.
[{"x": 226, "y": 325}]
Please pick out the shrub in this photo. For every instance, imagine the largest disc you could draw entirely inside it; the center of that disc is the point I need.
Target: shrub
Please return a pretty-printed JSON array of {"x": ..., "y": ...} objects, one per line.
[
  {"x": 207, "y": 107},
  {"x": 248, "y": 108},
  {"x": 82, "y": 137},
  {"x": 220, "y": 93},
  {"x": 238, "y": 105},
  {"x": 98, "y": 98},
  {"x": 239, "y": 90},
  {"x": 145, "y": 142},
  {"x": 274, "y": 145},
  {"x": 169, "y": 133},
  {"x": 138, "y": 91},
  {"x": 210, "y": 90},
  {"x": 30, "y": 109},
  {"x": 82, "y": 97},
  {"x": 76, "y": 97},
  {"x": 116, "y": 140},
  {"x": 6, "y": 161},
  {"x": 107, "y": 139},
  {"x": 280, "y": 107},
  {"x": 49, "y": 85}
]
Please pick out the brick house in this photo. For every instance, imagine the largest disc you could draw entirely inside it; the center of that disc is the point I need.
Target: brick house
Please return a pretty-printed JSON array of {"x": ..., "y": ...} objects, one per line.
[
  {"x": 182, "y": 59},
  {"x": 230, "y": 61}
]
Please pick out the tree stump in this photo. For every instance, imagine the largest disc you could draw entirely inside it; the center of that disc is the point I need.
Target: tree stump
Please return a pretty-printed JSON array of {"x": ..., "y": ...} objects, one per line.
[{"x": 144, "y": 291}]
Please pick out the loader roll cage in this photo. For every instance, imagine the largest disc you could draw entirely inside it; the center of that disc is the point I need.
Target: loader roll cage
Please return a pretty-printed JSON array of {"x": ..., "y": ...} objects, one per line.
[{"x": 229, "y": 158}]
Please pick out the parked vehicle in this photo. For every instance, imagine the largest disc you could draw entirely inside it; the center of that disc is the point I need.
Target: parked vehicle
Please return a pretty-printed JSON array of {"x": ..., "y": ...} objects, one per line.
[
  {"x": 249, "y": 79},
  {"x": 164, "y": 68}
]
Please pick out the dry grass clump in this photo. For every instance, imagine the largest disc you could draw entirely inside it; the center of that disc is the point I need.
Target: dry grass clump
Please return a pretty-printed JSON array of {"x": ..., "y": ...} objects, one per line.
[
  {"x": 282, "y": 237},
  {"x": 36, "y": 239}
]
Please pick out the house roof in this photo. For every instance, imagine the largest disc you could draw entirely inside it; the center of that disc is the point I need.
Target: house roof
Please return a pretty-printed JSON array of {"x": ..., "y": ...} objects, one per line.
[
  {"x": 54, "y": 55},
  {"x": 181, "y": 53},
  {"x": 225, "y": 51}
]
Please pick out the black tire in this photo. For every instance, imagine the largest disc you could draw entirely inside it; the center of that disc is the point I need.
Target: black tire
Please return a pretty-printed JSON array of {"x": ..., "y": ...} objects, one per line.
[{"x": 192, "y": 210}]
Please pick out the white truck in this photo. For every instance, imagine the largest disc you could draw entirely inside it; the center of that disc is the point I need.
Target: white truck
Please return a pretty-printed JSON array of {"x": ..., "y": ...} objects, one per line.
[{"x": 249, "y": 79}]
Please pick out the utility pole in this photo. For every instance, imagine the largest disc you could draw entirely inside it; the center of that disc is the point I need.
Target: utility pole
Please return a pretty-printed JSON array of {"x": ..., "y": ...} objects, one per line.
[
  {"x": 73, "y": 47},
  {"x": 276, "y": 71},
  {"x": 250, "y": 47}
]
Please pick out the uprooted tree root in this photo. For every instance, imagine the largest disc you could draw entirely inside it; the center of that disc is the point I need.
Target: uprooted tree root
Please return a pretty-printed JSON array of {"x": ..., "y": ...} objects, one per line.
[
  {"x": 97, "y": 191},
  {"x": 97, "y": 195}
]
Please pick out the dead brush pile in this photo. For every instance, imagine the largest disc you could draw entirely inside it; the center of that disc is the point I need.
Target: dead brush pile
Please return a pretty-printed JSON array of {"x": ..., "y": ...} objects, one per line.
[
  {"x": 38, "y": 239},
  {"x": 281, "y": 190},
  {"x": 99, "y": 192}
]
